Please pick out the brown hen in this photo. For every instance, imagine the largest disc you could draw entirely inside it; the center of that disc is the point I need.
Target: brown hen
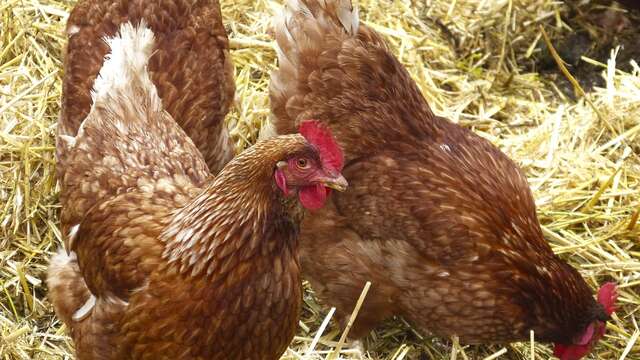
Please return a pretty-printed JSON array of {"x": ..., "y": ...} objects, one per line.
[
  {"x": 163, "y": 260},
  {"x": 190, "y": 66},
  {"x": 440, "y": 220}
]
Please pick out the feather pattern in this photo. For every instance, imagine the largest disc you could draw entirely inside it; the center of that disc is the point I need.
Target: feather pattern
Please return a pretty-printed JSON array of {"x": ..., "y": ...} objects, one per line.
[
  {"x": 189, "y": 64},
  {"x": 163, "y": 258},
  {"x": 437, "y": 218},
  {"x": 324, "y": 51}
]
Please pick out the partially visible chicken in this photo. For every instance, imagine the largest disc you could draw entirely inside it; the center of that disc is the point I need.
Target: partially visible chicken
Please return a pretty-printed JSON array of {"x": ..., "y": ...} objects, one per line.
[
  {"x": 191, "y": 66},
  {"x": 440, "y": 220},
  {"x": 163, "y": 260}
]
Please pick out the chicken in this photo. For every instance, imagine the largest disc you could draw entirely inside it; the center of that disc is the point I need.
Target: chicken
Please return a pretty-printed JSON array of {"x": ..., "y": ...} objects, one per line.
[
  {"x": 164, "y": 260},
  {"x": 438, "y": 219},
  {"x": 190, "y": 66}
]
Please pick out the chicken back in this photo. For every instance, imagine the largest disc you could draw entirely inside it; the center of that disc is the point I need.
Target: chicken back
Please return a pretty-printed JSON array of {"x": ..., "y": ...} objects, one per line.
[
  {"x": 190, "y": 66},
  {"x": 438, "y": 219},
  {"x": 163, "y": 260}
]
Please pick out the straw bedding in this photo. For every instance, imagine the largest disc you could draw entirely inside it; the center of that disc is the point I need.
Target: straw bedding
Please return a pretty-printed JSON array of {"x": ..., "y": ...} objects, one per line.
[{"x": 475, "y": 62}]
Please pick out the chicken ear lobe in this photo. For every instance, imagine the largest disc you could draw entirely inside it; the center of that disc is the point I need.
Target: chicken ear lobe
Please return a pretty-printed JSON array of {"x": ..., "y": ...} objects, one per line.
[{"x": 281, "y": 181}]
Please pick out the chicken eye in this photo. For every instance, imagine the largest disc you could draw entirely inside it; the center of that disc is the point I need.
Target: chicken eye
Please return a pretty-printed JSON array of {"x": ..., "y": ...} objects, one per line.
[{"x": 302, "y": 163}]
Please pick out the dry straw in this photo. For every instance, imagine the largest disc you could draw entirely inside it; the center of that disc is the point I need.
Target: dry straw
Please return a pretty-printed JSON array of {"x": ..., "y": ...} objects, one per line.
[{"x": 468, "y": 58}]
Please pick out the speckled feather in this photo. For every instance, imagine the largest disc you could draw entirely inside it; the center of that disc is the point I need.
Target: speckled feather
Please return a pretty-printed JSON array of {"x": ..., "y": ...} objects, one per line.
[
  {"x": 440, "y": 220},
  {"x": 165, "y": 260},
  {"x": 191, "y": 66}
]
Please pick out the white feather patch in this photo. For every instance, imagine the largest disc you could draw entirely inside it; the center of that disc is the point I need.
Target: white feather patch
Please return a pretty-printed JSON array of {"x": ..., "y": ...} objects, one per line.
[
  {"x": 68, "y": 141},
  {"x": 73, "y": 233},
  {"x": 62, "y": 258},
  {"x": 85, "y": 309},
  {"x": 72, "y": 30},
  {"x": 126, "y": 63}
]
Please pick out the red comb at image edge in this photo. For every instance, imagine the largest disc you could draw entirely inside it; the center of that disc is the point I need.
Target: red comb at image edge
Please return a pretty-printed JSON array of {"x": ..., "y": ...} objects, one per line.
[
  {"x": 607, "y": 296},
  {"x": 320, "y": 136}
]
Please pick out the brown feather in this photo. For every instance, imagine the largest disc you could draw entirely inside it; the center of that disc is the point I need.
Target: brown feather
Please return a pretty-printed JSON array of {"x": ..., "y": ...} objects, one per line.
[
  {"x": 166, "y": 260},
  {"x": 438, "y": 219},
  {"x": 191, "y": 66}
]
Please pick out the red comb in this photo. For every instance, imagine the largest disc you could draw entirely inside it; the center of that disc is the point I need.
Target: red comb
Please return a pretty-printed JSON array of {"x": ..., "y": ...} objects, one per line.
[
  {"x": 320, "y": 136},
  {"x": 607, "y": 296}
]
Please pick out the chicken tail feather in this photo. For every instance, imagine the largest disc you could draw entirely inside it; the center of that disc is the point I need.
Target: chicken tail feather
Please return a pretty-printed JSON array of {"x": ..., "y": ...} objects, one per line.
[
  {"x": 126, "y": 64},
  {"x": 300, "y": 31},
  {"x": 334, "y": 69},
  {"x": 303, "y": 30}
]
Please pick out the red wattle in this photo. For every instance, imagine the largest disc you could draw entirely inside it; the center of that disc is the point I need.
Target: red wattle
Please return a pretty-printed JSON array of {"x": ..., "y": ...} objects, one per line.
[
  {"x": 571, "y": 352},
  {"x": 313, "y": 197}
]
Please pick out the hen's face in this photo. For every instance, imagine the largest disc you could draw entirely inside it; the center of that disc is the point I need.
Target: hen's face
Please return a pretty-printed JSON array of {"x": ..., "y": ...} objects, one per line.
[
  {"x": 304, "y": 175},
  {"x": 582, "y": 346},
  {"x": 312, "y": 173}
]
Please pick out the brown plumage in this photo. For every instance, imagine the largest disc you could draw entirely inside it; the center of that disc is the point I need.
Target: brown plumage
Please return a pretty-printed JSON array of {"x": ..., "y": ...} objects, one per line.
[
  {"x": 163, "y": 260},
  {"x": 440, "y": 220},
  {"x": 190, "y": 66}
]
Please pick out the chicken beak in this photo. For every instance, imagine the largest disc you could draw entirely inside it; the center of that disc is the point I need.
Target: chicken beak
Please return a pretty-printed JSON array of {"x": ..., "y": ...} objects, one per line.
[{"x": 338, "y": 183}]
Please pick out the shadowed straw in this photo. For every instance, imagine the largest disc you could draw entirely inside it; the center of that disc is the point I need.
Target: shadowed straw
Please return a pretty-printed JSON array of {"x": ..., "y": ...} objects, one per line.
[{"x": 467, "y": 56}]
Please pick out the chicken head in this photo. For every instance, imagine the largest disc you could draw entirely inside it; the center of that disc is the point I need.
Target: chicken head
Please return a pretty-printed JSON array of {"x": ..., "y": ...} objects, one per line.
[
  {"x": 312, "y": 175},
  {"x": 607, "y": 296}
]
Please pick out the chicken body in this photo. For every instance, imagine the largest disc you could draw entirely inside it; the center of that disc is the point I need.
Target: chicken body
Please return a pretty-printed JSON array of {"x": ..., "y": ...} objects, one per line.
[
  {"x": 163, "y": 260},
  {"x": 439, "y": 219},
  {"x": 190, "y": 66}
]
